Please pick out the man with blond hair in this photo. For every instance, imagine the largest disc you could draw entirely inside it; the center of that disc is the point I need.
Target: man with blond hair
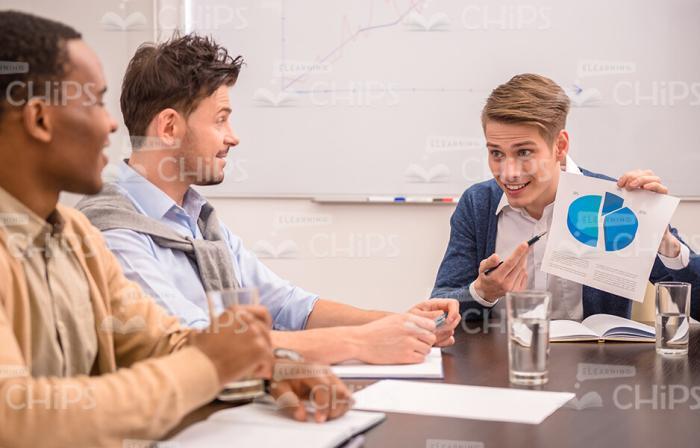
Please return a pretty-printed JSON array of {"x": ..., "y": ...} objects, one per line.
[{"x": 524, "y": 121}]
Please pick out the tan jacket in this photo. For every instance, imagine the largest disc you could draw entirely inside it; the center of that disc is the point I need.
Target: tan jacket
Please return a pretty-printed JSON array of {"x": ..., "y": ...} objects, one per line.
[{"x": 137, "y": 390}]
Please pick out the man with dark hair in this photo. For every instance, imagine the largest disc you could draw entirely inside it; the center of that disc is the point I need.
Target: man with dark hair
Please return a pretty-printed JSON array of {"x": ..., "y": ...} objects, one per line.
[
  {"x": 176, "y": 105},
  {"x": 524, "y": 121},
  {"x": 86, "y": 358}
]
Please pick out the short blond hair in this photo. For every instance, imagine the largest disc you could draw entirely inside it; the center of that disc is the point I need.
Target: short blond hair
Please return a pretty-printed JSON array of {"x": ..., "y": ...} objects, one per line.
[{"x": 529, "y": 99}]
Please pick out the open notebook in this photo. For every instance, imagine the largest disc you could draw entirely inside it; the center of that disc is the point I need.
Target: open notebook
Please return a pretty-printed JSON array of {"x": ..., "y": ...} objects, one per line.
[
  {"x": 261, "y": 425},
  {"x": 601, "y": 327}
]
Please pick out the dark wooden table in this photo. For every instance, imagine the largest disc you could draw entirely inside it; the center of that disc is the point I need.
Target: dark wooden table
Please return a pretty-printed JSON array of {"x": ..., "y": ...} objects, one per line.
[{"x": 628, "y": 397}]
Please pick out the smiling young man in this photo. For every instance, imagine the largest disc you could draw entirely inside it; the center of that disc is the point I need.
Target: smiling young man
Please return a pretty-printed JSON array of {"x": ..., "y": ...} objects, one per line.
[
  {"x": 175, "y": 102},
  {"x": 524, "y": 121},
  {"x": 86, "y": 358}
]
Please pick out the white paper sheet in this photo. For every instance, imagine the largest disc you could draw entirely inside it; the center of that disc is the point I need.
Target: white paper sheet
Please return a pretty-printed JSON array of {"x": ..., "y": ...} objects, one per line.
[
  {"x": 458, "y": 401},
  {"x": 430, "y": 368},
  {"x": 263, "y": 426},
  {"x": 605, "y": 237}
]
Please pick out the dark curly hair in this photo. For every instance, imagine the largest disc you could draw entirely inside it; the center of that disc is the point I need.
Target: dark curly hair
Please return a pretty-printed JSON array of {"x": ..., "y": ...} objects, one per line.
[
  {"x": 32, "y": 52},
  {"x": 178, "y": 74}
]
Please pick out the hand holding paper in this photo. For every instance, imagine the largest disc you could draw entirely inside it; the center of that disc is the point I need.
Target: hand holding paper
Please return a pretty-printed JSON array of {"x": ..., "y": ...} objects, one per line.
[
  {"x": 606, "y": 237},
  {"x": 647, "y": 180}
]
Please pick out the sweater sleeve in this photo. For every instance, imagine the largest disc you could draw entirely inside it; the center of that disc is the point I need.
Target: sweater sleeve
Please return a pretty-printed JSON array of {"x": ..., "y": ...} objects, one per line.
[{"x": 460, "y": 265}]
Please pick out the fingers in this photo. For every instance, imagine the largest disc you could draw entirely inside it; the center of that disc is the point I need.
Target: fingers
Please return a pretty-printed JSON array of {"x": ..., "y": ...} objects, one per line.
[
  {"x": 427, "y": 338},
  {"x": 449, "y": 306},
  {"x": 446, "y": 343},
  {"x": 630, "y": 176},
  {"x": 264, "y": 368},
  {"x": 656, "y": 187},
  {"x": 489, "y": 263},
  {"x": 422, "y": 347},
  {"x": 520, "y": 281},
  {"x": 642, "y": 179},
  {"x": 253, "y": 324},
  {"x": 452, "y": 309},
  {"x": 329, "y": 396},
  {"x": 414, "y": 358},
  {"x": 341, "y": 399},
  {"x": 523, "y": 282},
  {"x": 427, "y": 314},
  {"x": 510, "y": 280},
  {"x": 511, "y": 263},
  {"x": 443, "y": 337},
  {"x": 321, "y": 402},
  {"x": 419, "y": 323},
  {"x": 287, "y": 400},
  {"x": 259, "y": 312}
]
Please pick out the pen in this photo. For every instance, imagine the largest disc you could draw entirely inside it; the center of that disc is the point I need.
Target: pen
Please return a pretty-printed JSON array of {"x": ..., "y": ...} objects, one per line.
[
  {"x": 530, "y": 242},
  {"x": 440, "y": 321}
]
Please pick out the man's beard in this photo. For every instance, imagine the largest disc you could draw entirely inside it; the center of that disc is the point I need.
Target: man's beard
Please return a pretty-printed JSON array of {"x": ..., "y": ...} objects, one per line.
[{"x": 206, "y": 171}]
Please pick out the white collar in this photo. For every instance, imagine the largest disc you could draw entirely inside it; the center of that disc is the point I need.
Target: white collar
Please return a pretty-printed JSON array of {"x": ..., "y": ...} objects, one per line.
[{"x": 571, "y": 167}]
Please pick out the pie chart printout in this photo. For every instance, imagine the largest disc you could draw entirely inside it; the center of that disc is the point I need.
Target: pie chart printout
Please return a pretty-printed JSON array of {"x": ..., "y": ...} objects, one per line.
[{"x": 613, "y": 223}]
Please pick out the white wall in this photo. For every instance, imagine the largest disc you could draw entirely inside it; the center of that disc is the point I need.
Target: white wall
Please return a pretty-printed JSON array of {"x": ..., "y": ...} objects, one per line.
[
  {"x": 406, "y": 242},
  {"x": 375, "y": 256}
]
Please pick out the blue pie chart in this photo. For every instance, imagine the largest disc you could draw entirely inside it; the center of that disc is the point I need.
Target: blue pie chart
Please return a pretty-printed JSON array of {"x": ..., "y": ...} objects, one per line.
[{"x": 619, "y": 227}]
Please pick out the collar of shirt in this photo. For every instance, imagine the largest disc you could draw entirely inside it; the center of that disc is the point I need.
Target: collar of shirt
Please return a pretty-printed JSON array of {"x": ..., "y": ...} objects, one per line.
[
  {"x": 571, "y": 167},
  {"x": 18, "y": 219},
  {"x": 153, "y": 202}
]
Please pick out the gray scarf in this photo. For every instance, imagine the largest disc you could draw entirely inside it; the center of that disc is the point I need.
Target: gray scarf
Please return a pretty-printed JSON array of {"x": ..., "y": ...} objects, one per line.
[{"x": 110, "y": 209}]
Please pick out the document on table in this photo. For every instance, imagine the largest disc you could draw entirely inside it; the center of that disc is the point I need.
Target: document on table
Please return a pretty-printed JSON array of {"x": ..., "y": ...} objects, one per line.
[
  {"x": 430, "y": 368},
  {"x": 263, "y": 426},
  {"x": 457, "y": 401},
  {"x": 605, "y": 237}
]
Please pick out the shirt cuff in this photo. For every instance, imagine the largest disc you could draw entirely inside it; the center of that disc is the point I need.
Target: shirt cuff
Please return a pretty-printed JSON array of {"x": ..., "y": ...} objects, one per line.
[
  {"x": 479, "y": 299},
  {"x": 679, "y": 262}
]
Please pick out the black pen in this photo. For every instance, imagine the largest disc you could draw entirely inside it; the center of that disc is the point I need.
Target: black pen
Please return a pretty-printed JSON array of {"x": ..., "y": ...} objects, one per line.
[
  {"x": 530, "y": 242},
  {"x": 440, "y": 321}
]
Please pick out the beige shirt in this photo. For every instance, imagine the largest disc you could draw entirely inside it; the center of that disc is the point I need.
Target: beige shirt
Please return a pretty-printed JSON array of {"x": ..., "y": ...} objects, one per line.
[
  {"x": 144, "y": 377},
  {"x": 64, "y": 342}
]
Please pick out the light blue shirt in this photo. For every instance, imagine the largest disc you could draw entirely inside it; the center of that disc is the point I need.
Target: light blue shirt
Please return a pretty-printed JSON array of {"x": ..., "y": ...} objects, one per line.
[{"x": 172, "y": 278}]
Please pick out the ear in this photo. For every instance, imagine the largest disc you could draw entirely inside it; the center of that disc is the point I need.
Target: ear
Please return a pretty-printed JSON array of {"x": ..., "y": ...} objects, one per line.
[
  {"x": 37, "y": 120},
  {"x": 561, "y": 145},
  {"x": 169, "y": 127}
]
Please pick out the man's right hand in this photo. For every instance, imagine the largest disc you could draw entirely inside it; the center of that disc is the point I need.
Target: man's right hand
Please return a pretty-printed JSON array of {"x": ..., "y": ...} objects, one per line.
[
  {"x": 510, "y": 276},
  {"x": 395, "y": 339},
  {"x": 238, "y": 342}
]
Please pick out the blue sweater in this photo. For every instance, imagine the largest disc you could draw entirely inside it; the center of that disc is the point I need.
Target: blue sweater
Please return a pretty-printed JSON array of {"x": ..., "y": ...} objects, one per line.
[{"x": 473, "y": 238}]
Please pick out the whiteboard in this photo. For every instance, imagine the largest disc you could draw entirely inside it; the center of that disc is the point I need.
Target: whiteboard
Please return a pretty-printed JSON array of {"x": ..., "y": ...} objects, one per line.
[{"x": 383, "y": 97}]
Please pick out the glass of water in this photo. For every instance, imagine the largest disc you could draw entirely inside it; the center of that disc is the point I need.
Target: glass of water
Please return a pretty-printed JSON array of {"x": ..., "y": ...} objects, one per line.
[
  {"x": 528, "y": 336},
  {"x": 219, "y": 301},
  {"x": 672, "y": 309}
]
